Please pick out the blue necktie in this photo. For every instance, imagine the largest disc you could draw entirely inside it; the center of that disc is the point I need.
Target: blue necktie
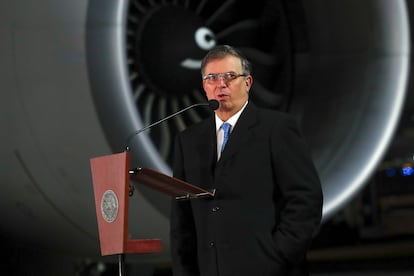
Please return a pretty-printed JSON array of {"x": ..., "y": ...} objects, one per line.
[{"x": 226, "y": 128}]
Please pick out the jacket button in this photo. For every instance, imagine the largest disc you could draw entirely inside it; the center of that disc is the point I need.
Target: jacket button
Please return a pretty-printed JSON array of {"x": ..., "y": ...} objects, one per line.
[
  {"x": 212, "y": 244},
  {"x": 215, "y": 209}
]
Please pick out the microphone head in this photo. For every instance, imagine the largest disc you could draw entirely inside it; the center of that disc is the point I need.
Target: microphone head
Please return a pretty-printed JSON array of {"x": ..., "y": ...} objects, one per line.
[{"x": 213, "y": 104}]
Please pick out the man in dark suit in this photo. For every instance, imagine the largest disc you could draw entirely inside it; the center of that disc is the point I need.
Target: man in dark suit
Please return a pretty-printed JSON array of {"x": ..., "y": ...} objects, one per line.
[{"x": 268, "y": 199}]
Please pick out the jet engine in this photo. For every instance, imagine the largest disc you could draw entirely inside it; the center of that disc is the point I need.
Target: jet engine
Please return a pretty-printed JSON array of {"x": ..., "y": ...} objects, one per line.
[{"x": 79, "y": 77}]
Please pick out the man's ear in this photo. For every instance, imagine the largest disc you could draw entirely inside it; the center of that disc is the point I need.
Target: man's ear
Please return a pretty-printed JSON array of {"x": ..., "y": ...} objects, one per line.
[{"x": 248, "y": 82}]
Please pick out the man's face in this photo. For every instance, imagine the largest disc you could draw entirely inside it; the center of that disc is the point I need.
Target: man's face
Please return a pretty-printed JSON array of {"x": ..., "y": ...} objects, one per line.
[{"x": 231, "y": 94}]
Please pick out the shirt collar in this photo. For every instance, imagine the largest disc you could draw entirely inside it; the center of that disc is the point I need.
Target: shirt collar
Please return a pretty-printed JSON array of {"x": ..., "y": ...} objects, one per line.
[{"x": 232, "y": 120}]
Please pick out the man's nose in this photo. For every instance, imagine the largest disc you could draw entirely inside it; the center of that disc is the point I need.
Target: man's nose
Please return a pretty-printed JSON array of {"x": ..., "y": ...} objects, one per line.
[{"x": 222, "y": 81}]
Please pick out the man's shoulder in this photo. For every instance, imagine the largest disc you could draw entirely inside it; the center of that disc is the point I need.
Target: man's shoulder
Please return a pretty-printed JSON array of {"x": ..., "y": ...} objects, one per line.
[
  {"x": 272, "y": 115},
  {"x": 198, "y": 127}
]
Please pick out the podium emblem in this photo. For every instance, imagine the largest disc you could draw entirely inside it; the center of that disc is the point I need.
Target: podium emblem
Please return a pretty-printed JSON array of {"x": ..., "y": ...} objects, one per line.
[{"x": 109, "y": 206}]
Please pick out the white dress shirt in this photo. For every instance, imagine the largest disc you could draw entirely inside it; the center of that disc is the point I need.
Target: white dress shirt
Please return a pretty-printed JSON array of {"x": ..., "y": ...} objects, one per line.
[{"x": 219, "y": 131}]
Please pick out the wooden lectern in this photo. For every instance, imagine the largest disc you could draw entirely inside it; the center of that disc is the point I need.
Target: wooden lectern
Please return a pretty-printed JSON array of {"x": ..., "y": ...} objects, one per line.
[{"x": 111, "y": 175}]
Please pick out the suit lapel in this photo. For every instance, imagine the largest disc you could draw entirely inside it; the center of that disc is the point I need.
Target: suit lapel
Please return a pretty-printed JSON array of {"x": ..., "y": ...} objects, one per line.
[
  {"x": 240, "y": 134},
  {"x": 206, "y": 147}
]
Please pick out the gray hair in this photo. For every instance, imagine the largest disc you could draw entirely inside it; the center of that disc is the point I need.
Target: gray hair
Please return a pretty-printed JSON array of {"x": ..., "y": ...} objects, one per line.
[{"x": 222, "y": 51}]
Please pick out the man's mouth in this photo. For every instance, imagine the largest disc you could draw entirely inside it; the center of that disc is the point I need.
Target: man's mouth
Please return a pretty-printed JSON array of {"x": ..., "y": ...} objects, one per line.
[{"x": 221, "y": 95}]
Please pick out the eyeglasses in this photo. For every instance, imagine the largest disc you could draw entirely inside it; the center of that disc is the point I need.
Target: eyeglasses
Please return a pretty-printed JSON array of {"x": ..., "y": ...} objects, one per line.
[{"x": 226, "y": 77}]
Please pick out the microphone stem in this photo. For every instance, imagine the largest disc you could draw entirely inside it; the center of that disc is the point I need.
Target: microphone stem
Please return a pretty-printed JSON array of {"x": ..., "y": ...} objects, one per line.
[{"x": 160, "y": 121}]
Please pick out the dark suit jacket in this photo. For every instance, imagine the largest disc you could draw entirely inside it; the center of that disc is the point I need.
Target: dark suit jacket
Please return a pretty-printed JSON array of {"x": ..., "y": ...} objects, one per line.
[{"x": 267, "y": 205}]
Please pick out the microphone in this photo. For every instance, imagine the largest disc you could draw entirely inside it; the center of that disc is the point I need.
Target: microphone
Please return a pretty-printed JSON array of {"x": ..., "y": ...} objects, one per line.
[{"x": 213, "y": 104}]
